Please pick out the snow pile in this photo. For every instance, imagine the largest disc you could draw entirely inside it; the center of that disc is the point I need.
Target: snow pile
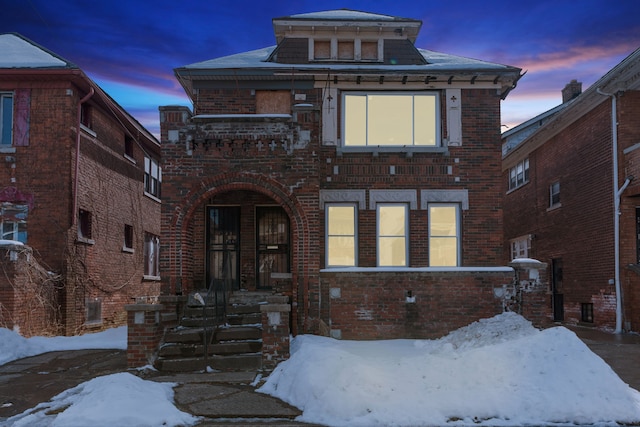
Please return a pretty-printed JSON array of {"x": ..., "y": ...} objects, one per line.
[
  {"x": 112, "y": 400},
  {"x": 499, "y": 371},
  {"x": 14, "y": 346}
]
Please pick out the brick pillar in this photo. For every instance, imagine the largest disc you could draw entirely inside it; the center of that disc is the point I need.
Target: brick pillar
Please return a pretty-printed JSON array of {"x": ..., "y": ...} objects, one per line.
[
  {"x": 144, "y": 332},
  {"x": 533, "y": 291},
  {"x": 275, "y": 331}
]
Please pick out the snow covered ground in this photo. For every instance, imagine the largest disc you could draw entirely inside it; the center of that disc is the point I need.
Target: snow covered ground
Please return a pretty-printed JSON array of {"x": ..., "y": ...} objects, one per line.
[{"x": 498, "y": 372}]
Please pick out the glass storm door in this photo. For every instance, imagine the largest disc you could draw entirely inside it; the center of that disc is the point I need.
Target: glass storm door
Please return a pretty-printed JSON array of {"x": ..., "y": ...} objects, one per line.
[
  {"x": 223, "y": 232},
  {"x": 272, "y": 232}
]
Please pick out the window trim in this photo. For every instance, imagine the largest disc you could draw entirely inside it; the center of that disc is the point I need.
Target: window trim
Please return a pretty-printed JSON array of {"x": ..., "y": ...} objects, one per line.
[
  {"x": 405, "y": 236},
  {"x": 520, "y": 241},
  {"x": 458, "y": 236},
  {"x": 439, "y": 147},
  {"x": 327, "y": 206}
]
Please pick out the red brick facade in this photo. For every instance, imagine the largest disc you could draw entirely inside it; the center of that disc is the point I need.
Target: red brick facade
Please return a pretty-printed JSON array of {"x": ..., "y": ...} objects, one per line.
[
  {"x": 59, "y": 169},
  {"x": 577, "y": 235},
  {"x": 275, "y": 141}
]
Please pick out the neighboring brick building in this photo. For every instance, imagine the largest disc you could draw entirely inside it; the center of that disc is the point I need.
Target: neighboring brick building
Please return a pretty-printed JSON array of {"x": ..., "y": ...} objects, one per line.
[
  {"x": 363, "y": 167},
  {"x": 560, "y": 199},
  {"x": 79, "y": 185}
]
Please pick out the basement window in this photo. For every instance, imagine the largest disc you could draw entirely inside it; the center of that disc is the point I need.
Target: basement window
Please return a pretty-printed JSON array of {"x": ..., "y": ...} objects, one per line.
[
  {"x": 93, "y": 311},
  {"x": 587, "y": 312}
]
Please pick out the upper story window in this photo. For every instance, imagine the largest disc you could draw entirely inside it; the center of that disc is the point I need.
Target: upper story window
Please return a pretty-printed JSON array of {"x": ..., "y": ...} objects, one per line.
[
  {"x": 391, "y": 119},
  {"x": 6, "y": 118},
  {"x": 554, "y": 194},
  {"x": 128, "y": 147},
  {"x": 128, "y": 238},
  {"x": 519, "y": 174},
  {"x": 85, "y": 116},
  {"x": 341, "y": 235},
  {"x": 152, "y": 177},
  {"x": 345, "y": 50},
  {"x": 392, "y": 234}
]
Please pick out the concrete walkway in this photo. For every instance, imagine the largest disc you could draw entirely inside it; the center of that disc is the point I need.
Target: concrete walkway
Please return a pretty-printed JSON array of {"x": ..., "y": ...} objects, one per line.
[{"x": 223, "y": 399}]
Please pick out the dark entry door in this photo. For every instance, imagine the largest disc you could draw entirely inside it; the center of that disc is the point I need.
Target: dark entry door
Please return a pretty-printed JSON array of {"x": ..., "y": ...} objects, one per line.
[
  {"x": 556, "y": 287},
  {"x": 223, "y": 232},
  {"x": 272, "y": 232}
]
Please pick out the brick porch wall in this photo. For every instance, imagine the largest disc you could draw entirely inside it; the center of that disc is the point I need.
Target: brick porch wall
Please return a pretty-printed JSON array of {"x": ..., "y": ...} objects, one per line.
[{"x": 419, "y": 303}]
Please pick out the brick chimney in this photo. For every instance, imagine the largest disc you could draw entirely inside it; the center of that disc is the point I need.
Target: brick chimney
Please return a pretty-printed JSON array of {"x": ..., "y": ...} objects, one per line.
[{"x": 571, "y": 90}]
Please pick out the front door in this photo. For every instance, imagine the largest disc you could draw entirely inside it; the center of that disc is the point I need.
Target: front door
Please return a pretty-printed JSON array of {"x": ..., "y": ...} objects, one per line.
[
  {"x": 272, "y": 233},
  {"x": 223, "y": 231},
  {"x": 556, "y": 288}
]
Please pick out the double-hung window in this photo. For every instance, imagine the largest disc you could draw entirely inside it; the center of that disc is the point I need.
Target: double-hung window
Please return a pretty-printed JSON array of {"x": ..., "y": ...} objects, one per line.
[
  {"x": 151, "y": 255},
  {"x": 152, "y": 177},
  {"x": 444, "y": 235},
  {"x": 341, "y": 235},
  {"x": 519, "y": 174},
  {"x": 393, "y": 228},
  {"x": 391, "y": 119},
  {"x": 6, "y": 119},
  {"x": 554, "y": 194}
]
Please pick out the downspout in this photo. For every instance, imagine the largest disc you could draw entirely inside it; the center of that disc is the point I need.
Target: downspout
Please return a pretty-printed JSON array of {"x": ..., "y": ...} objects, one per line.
[
  {"x": 74, "y": 213},
  {"x": 616, "y": 211}
]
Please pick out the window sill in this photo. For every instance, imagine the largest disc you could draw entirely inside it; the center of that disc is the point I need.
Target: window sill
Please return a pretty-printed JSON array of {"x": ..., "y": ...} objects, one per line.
[
  {"x": 7, "y": 149},
  {"x": 127, "y": 250},
  {"x": 390, "y": 149},
  {"x": 95, "y": 324},
  {"x": 518, "y": 187},
  {"x": 85, "y": 241},
  {"x": 146, "y": 278},
  {"x": 152, "y": 197},
  {"x": 554, "y": 207},
  {"x": 88, "y": 130},
  {"x": 131, "y": 159}
]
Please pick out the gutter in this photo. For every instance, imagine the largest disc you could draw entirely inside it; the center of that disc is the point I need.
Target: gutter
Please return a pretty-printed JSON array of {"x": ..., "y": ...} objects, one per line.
[{"x": 617, "y": 192}]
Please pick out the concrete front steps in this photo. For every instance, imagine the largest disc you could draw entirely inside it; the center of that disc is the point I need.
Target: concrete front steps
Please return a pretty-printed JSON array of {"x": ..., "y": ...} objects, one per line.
[{"x": 234, "y": 346}]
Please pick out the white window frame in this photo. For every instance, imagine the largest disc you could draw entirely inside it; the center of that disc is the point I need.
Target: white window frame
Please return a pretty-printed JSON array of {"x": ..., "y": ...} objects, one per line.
[
  {"x": 519, "y": 174},
  {"x": 554, "y": 194},
  {"x": 14, "y": 227},
  {"x": 6, "y": 119},
  {"x": 381, "y": 238},
  {"x": 457, "y": 237},
  {"x": 408, "y": 145},
  {"x": 520, "y": 247},
  {"x": 328, "y": 236}
]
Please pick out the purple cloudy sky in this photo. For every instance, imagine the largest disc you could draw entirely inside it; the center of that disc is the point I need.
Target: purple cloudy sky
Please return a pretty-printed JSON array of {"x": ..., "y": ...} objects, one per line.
[{"x": 131, "y": 47}]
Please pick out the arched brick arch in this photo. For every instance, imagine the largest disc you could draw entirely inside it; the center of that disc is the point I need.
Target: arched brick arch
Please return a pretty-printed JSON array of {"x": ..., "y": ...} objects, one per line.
[{"x": 184, "y": 212}]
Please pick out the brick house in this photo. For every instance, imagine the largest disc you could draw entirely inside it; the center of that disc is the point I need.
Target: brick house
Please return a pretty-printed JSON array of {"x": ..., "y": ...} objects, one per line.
[
  {"x": 344, "y": 168},
  {"x": 79, "y": 197},
  {"x": 562, "y": 172}
]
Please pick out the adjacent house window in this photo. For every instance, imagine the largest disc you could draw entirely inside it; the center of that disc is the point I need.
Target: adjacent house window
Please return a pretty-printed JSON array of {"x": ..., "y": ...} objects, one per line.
[
  {"x": 391, "y": 119},
  {"x": 128, "y": 146},
  {"x": 444, "y": 235},
  {"x": 554, "y": 194},
  {"x": 152, "y": 177},
  {"x": 84, "y": 224},
  {"x": 392, "y": 221},
  {"x": 151, "y": 255},
  {"x": 14, "y": 222},
  {"x": 128, "y": 238},
  {"x": 85, "y": 116},
  {"x": 6, "y": 118},
  {"x": 341, "y": 235},
  {"x": 521, "y": 247},
  {"x": 519, "y": 174}
]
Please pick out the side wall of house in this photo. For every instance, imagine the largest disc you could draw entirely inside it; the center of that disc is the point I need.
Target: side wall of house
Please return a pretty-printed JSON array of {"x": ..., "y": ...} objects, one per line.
[{"x": 578, "y": 231}]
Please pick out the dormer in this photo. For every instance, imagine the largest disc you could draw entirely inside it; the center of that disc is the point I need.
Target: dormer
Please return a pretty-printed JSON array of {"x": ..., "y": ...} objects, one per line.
[{"x": 346, "y": 36}]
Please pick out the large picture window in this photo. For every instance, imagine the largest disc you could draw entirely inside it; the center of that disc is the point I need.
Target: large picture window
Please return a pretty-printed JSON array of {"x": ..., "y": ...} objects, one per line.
[
  {"x": 444, "y": 235},
  {"x": 341, "y": 235},
  {"x": 6, "y": 118},
  {"x": 392, "y": 235},
  {"x": 391, "y": 119}
]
